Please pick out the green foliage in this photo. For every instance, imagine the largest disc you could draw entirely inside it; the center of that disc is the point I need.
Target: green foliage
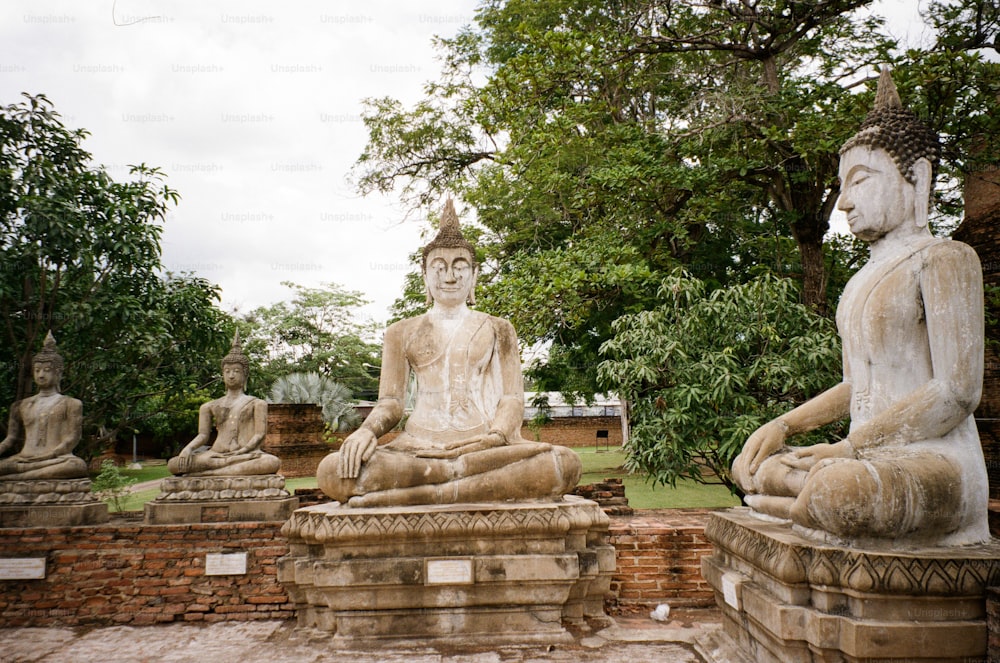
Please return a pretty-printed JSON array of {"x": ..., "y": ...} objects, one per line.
[
  {"x": 317, "y": 331},
  {"x": 80, "y": 255},
  {"x": 602, "y": 145},
  {"x": 335, "y": 399},
  {"x": 112, "y": 486},
  {"x": 704, "y": 369}
]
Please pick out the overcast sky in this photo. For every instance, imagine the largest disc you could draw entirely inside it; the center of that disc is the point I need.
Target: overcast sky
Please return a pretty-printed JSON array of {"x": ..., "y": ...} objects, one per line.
[{"x": 252, "y": 109}]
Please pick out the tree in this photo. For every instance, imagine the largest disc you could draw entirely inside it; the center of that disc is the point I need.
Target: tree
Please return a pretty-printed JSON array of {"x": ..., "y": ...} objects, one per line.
[
  {"x": 317, "y": 331},
  {"x": 81, "y": 257},
  {"x": 704, "y": 369},
  {"x": 335, "y": 399},
  {"x": 604, "y": 145},
  {"x": 599, "y": 155}
]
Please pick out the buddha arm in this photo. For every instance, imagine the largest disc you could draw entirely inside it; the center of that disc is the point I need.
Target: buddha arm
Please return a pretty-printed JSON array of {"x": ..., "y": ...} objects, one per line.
[
  {"x": 952, "y": 294},
  {"x": 259, "y": 427},
  {"x": 204, "y": 430},
  {"x": 15, "y": 428},
  {"x": 71, "y": 429},
  {"x": 510, "y": 408},
  {"x": 832, "y": 405}
]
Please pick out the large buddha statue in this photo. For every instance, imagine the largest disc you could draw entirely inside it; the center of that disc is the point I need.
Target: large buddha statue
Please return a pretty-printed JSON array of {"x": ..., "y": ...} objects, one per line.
[
  {"x": 241, "y": 424},
  {"x": 461, "y": 442},
  {"x": 45, "y": 428},
  {"x": 911, "y": 468}
]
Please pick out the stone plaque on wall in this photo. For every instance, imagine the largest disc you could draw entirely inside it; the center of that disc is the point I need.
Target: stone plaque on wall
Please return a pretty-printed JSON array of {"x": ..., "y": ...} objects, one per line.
[{"x": 22, "y": 568}]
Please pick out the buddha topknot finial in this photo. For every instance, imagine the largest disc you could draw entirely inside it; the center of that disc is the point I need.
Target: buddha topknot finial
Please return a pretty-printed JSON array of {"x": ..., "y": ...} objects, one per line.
[{"x": 449, "y": 234}]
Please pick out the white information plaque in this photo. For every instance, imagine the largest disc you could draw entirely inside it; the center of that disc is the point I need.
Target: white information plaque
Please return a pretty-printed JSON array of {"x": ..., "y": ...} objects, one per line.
[
  {"x": 730, "y": 586},
  {"x": 448, "y": 571},
  {"x": 22, "y": 568},
  {"x": 226, "y": 564}
]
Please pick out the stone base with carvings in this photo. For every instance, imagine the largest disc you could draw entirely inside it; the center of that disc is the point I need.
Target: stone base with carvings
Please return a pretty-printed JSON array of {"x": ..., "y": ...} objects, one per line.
[
  {"x": 50, "y": 503},
  {"x": 789, "y": 599},
  {"x": 502, "y": 572},
  {"x": 187, "y": 499}
]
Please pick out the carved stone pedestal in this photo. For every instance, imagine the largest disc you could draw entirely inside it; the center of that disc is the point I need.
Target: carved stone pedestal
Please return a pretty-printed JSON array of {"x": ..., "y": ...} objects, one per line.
[
  {"x": 790, "y": 599},
  {"x": 503, "y": 572},
  {"x": 220, "y": 499},
  {"x": 50, "y": 503}
]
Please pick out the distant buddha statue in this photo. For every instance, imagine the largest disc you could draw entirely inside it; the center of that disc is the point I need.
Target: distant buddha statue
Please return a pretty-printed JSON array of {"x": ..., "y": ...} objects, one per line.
[
  {"x": 462, "y": 441},
  {"x": 911, "y": 320},
  {"x": 45, "y": 427},
  {"x": 241, "y": 424}
]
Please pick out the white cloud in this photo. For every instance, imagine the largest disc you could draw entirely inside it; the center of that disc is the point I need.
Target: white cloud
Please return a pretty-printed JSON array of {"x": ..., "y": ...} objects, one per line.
[{"x": 253, "y": 110}]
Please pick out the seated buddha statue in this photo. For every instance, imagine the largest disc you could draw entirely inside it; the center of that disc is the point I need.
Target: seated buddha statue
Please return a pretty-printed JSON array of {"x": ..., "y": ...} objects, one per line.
[
  {"x": 44, "y": 428},
  {"x": 462, "y": 441},
  {"x": 241, "y": 424},
  {"x": 911, "y": 468}
]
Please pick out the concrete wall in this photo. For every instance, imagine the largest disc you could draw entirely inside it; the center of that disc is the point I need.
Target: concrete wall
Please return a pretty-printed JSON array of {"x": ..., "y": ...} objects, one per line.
[{"x": 130, "y": 573}]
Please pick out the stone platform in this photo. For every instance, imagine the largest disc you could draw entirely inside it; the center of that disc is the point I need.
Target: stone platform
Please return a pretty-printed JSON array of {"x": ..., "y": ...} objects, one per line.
[
  {"x": 220, "y": 499},
  {"x": 786, "y": 598},
  {"x": 498, "y": 572},
  {"x": 50, "y": 503}
]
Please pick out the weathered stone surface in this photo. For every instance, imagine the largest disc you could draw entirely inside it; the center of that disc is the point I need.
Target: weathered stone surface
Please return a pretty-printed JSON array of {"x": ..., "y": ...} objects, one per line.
[
  {"x": 911, "y": 469},
  {"x": 787, "y": 598},
  {"x": 43, "y": 429},
  {"x": 462, "y": 440},
  {"x": 46, "y": 491},
  {"x": 241, "y": 424},
  {"x": 54, "y": 514},
  {"x": 220, "y": 499},
  {"x": 522, "y": 568},
  {"x": 266, "y": 486}
]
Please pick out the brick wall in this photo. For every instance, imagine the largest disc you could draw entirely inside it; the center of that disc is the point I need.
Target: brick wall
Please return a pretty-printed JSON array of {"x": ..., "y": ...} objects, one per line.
[
  {"x": 578, "y": 431},
  {"x": 981, "y": 230},
  {"x": 143, "y": 574},
  {"x": 659, "y": 560},
  {"x": 131, "y": 573},
  {"x": 295, "y": 435}
]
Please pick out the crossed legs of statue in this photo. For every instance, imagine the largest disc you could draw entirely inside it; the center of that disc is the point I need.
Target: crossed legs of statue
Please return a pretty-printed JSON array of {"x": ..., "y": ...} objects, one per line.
[
  {"x": 510, "y": 472},
  {"x": 60, "y": 467},
  {"x": 880, "y": 497}
]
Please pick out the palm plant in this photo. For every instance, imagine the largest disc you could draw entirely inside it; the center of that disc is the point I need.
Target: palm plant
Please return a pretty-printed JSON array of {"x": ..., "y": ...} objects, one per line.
[{"x": 335, "y": 399}]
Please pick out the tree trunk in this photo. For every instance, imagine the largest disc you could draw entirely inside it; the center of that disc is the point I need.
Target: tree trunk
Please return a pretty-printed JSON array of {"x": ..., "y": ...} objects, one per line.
[{"x": 808, "y": 233}]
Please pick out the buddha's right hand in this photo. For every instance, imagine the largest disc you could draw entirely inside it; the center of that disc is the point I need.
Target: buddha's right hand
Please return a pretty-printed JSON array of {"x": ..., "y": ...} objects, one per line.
[
  {"x": 357, "y": 448},
  {"x": 764, "y": 442}
]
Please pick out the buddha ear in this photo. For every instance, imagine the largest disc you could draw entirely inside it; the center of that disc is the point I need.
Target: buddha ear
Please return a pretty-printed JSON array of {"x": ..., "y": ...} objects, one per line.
[
  {"x": 922, "y": 183},
  {"x": 471, "y": 299}
]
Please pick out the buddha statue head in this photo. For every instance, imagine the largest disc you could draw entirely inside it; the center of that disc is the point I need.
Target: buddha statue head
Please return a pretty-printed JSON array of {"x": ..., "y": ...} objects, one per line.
[
  {"x": 449, "y": 263},
  {"x": 887, "y": 168},
  {"x": 235, "y": 365},
  {"x": 47, "y": 366}
]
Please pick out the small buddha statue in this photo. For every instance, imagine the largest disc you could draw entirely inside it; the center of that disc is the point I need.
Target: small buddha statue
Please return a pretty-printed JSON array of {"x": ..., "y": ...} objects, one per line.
[
  {"x": 911, "y": 468},
  {"x": 45, "y": 428},
  {"x": 462, "y": 441},
  {"x": 241, "y": 424}
]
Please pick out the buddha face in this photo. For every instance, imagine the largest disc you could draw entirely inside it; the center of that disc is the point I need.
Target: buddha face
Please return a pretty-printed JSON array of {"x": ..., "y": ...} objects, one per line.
[
  {"x": 874, "y": 194},
  {"x": 449, "y": 275},
  {"x": 233, "y": 375},
  {"x": 46, "y": 374}
]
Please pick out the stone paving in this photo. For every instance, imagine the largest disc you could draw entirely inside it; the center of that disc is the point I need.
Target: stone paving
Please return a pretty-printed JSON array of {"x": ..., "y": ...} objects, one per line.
[{"x": 635, "y": 639}]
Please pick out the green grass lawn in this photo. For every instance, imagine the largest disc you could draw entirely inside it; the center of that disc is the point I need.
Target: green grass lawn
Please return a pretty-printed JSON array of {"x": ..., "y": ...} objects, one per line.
[
  {"x": 597, "y": 466},
  {"x": 603, "y": 464}
]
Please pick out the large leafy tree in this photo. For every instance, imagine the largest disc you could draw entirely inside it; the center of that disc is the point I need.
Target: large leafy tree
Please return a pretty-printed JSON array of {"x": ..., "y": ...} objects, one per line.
[
  {"x": 81, "y": 257},
  {"x": 318, "y": 331},
  {"x": 604, "y": 144}
]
